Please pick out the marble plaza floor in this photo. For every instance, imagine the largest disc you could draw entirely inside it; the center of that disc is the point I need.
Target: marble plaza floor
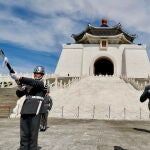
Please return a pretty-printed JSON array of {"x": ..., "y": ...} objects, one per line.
[{"x": 67, "y": 134}]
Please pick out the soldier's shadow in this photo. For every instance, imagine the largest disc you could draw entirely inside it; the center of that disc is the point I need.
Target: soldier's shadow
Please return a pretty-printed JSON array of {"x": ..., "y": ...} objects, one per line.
[
  {"x": 142, "y": 130},
  {"x": 118, "y": 148},
  {"x": 39, "y": 147}
]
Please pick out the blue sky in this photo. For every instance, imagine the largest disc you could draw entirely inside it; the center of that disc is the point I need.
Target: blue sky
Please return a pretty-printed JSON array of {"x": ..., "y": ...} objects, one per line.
[{"x": 32, "y": 31}]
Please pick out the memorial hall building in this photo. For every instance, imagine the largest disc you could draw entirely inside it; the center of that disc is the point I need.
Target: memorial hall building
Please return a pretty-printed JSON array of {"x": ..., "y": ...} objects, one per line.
[{"x": 104, "y": 50}]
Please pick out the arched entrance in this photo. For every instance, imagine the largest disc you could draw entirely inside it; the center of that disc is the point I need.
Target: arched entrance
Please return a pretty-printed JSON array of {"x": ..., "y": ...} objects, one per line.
[{"x": 103, "y": 66}]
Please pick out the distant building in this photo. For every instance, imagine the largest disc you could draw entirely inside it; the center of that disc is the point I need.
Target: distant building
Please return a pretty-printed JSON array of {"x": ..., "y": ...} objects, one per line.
[{"x": 104, "y": 50}]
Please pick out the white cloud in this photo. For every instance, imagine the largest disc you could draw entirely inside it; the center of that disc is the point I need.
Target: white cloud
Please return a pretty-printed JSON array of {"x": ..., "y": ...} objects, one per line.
[{"x": 58, "y": 19}]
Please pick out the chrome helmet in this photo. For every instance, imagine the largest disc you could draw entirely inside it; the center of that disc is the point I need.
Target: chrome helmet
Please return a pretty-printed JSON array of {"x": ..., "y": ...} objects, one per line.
[{"x": 39, "y": 69}]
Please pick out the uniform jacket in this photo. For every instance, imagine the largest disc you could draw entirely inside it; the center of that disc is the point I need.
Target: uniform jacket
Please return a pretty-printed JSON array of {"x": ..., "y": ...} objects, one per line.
[
  {"x": 33, "y": 88},
  {"x": 48, "y": 103},
  {"x": 145, "y": 94}
]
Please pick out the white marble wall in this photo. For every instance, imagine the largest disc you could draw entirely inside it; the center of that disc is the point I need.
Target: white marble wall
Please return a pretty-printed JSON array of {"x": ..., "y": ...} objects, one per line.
[{"x": 79, "y": 59}]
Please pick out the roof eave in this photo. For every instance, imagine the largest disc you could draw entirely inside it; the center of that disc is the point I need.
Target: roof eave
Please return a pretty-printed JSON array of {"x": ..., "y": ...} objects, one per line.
[{"x": 87, "y": 36}]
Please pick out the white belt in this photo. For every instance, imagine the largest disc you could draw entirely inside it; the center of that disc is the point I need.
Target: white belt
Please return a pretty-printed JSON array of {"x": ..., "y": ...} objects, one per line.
[{"x": 37, "y": 97}]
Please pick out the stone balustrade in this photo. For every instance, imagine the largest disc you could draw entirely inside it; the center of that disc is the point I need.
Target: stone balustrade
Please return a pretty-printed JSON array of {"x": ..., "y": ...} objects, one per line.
[
  {"x": 137, "y": 84},
  {"x": 60, "y": 84},
  {"x": 7, "y": 82}
]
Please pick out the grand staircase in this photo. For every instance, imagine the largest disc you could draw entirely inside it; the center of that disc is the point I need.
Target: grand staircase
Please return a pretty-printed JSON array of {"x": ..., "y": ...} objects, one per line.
[
  {"x": 96, "y": 97},
  {"x": 8, "y": 101},
  {"x": 99, "y": 98}
]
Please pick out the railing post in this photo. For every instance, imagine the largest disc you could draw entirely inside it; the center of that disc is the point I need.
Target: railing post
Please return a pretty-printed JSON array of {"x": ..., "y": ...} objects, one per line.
[
  {"x": 69, "y": 83},
  {"x": 78, "y": 112},
  {"x": 56, "y": 82},
  {"x": 124, "y": 111},
  {"x": 93, "y": 115},
  {"x": 9, "y": 111},
  {"x": 60, "y": 83},
  {"x": 62, "y": 112},
  {"x": 109, "y": 112}
]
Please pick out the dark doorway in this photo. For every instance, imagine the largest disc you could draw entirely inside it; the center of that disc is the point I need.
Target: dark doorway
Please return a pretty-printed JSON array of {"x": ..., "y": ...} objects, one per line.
[{"x": 103, "y": 66}]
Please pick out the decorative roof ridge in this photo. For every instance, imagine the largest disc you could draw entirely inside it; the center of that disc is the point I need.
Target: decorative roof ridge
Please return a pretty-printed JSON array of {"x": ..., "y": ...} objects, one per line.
[
  {"x": 119, "y": 26},
  {"x": 84, "y": 31},
  {"x": 91, "y": 26},
  {"x": 117, "y": 29}
]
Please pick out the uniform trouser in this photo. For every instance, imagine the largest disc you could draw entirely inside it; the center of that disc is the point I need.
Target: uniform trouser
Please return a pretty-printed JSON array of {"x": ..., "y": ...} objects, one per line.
[
  {"x": 44, "y": 117},
  {"x": 29, "y": 128}
]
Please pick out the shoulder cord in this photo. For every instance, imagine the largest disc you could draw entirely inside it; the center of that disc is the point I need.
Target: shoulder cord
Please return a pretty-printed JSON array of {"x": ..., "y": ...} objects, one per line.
[{"x": 46, "y": 87}]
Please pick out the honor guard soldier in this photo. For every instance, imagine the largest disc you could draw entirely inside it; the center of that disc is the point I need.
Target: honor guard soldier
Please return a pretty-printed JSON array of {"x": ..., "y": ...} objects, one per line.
[
  {"x": 47, "y": 107},
  {"x": 33, "y": 89},
  {"x": 146, "y": 95}
]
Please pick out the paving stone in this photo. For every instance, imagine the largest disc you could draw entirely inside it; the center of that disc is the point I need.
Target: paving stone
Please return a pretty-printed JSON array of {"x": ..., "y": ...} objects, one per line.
[{"x": 77, "y": 134}]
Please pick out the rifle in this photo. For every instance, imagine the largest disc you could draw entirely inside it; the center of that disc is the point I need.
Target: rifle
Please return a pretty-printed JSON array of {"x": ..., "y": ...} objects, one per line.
[{"x": 11, "y": 70}]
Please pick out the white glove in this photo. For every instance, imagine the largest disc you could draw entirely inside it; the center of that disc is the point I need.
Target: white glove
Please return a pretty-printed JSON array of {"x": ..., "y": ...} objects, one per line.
[
  {"x": 21, "y": 87},
  {"x": 14, "y": 76}
]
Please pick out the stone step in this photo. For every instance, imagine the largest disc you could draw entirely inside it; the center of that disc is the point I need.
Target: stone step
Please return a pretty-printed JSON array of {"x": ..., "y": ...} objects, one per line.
[
  {"x": 107, "y": 94},
  {"x": 5, "y": 111},
  {"x": 8, "y": 96},
  {"x": 8, "y": 100}
]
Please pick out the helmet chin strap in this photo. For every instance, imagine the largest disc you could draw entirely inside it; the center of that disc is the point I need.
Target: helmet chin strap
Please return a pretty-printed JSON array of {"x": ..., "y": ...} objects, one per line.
[{"x": 39, "y": 78}]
